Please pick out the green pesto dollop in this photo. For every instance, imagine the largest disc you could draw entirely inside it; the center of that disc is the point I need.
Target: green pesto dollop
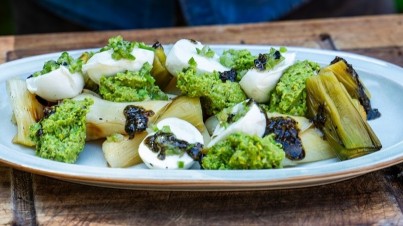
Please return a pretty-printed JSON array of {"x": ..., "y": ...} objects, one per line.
[
  {"x": 61, "y": 135},
  {"x": 238, "y": 59},
  {"x": 74, "y": 65},
  {"x": 241, "y": 60},
  {"x": 131, "y": 86},
  {"x": 243, "y": 151},
  {"x": 214, "y": 94},
  {"x": 122, "y": 49},
  {"x": 289, "y": 95}
]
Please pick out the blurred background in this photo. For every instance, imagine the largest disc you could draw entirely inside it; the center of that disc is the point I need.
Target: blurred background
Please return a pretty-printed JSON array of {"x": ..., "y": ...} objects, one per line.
[{"x": 44, "y": 16}]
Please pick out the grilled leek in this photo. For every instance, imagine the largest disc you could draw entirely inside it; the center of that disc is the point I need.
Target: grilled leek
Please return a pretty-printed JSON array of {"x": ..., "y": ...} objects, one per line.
[
  {"x": 186, "y": 108},
  {"x": 26, "y": 110},
  {"x": 314, "y": 147},
  {"x": 346, "y": 74},
  {"x": 121, "y": 151},
  {"x": 106, "y": 117},
  {"x": 159, "y": 71},
  {"x": 333, "y": 111}
]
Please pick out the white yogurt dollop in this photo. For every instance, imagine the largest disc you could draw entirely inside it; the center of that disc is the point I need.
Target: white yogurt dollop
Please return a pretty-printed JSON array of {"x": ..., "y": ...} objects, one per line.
[
  {"x": 56, "y": 85},
  {"x": 258, "y": 84},
  {"x": 102, "y": 63},
  {"x": 183, "y": 130},
  {"x": 252, "y": 123},
  {"x": 183, "y": 50}
]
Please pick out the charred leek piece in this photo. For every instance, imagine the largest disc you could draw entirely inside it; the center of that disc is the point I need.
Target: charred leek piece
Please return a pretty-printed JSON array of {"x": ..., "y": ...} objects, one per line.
[
  {"x": 26, "y": 109},
  {"x": 89, "y": 84},
  {"x": 121, "y": 151},
  {"x": 346, "y": 74},
  {"x": 316, "y": 148},
  {"x": 333, "y": 111},
  {"x": 159, "y": 71},
  {"x": 106, "y": 118},
  {"x": 186, "y": 108}
]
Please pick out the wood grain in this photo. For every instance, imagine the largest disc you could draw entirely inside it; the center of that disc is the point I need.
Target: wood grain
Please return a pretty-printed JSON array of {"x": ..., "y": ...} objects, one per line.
[
  {"x": 6, "y": 214},
  {"x": 392, "y": 54},
  {"x": 22, "y": 198},
  {"x": 347, "y": 33},
  {"x": 361, "y": 200}
]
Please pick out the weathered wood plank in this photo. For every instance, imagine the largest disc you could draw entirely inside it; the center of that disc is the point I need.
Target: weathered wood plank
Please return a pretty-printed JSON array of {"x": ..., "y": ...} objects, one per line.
[
  {"x": 347, "y": 33},
  {"x": 6, "y": 213},
  {"x": 362, "y": 200},
  {"x": 22, "y": 198},
  {"x": 6, "y": 45},
  {"x": 392, "y": 54}
]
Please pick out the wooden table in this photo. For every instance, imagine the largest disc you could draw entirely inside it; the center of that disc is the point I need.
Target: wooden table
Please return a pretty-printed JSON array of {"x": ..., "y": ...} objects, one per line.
[{"x": 375, "y": 198}]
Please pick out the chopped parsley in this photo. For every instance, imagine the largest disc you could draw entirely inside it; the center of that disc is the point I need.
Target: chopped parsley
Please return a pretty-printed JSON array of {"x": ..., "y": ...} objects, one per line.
[
  {"x": 192, "y": 63},
  {"x": 269, "y": 60},
  {"x": 74, "y": 65},
  {"x": 206, "y": 52},
  {"x": 122, "y": 49}
]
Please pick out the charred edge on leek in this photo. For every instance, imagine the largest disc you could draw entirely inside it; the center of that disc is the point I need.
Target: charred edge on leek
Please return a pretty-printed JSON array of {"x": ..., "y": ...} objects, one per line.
[{"x": 372, "y": 113}]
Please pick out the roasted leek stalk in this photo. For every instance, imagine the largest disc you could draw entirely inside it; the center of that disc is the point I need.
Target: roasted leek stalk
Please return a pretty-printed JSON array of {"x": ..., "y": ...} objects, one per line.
[
  {"x": 120, "y": 151},
  {"x": 106, "y": 118},
  {"x": 159, "y": 71},
  {"x": 89, "y": 83},
  {"x": 186, "y": 108},
  {"x": 306, "y": 140},
  {"x": 26, "y": 110},
  {"x": 332, "y": 110},
  {"x": 346, "y": 74}
]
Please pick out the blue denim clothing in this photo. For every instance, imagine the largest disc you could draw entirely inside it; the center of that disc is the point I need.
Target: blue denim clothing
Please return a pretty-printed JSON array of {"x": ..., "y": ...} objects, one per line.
[
  {"x": 128, "y": 14},
  {"x": 199, "y": 12}
]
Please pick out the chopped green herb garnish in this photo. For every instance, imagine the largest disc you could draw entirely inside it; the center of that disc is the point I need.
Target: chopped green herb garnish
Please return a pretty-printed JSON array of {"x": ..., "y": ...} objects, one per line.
[
  {"x": 181, "y": 164},
  {"x": 192, "y": 63},
  {"x": 283, "y": 49},
  {"x": 122, "y": 49},
  {"x": 64, "y": 60},
  {"x": 206, "y": 52}
]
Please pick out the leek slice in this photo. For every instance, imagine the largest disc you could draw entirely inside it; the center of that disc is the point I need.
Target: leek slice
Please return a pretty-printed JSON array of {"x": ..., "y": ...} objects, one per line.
[{"x": 333, "y": 111}]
